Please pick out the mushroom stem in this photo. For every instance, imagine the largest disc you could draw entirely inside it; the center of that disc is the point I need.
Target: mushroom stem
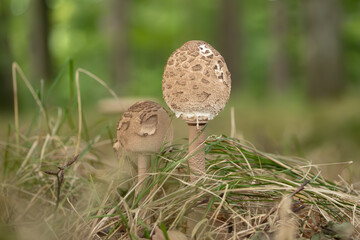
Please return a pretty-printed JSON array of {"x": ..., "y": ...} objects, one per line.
[
  {"x": 143, "y": 168},
  {"x": 197, "y": 138}
]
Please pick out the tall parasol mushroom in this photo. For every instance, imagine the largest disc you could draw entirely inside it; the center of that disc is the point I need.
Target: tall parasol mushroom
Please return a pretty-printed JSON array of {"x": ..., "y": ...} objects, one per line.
[{"x": 196, "y": 86}]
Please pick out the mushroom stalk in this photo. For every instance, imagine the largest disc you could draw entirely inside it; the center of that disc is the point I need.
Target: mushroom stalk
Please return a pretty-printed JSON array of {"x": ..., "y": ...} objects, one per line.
[
  {"x": 143, "y": 166},
  {"x": 197, "y": 138}
]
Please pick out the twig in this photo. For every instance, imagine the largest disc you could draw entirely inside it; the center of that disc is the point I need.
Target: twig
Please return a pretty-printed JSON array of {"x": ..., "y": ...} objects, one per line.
[
  {"x": 302, "y": 186},
  {"x": 60, "y": 177}
]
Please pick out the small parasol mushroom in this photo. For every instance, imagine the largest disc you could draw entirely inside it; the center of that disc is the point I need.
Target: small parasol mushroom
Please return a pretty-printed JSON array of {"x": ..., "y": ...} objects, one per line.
[{"x": 143, "y": 129}]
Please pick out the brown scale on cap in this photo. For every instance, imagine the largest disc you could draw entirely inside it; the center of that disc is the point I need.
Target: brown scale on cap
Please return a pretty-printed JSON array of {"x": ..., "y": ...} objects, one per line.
[
  {"x": 196, "y": 82},
  {"x": 143, "y": 128}
]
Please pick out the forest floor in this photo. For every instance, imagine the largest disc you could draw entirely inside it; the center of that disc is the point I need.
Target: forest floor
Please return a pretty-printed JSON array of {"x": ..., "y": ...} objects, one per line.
[{"x": 61, "y": 183}]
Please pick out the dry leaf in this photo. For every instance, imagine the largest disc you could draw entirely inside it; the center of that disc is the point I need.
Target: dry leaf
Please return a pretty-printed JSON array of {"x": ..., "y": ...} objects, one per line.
[{"x": 173, "y": 235}]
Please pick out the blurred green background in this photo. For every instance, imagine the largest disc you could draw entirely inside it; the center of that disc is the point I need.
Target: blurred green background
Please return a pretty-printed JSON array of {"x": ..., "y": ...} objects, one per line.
[
  {"x": 295, "y": 64},
  {"x": 309, "y": 47}
]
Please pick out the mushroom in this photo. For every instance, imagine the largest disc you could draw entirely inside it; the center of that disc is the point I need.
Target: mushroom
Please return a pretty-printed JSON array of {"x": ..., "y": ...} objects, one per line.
[
  {"x": 143, "y": 129},
  {"x": 196, "y": 86}
]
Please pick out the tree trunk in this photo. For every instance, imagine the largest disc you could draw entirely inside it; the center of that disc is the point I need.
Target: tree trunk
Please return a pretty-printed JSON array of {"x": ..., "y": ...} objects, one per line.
[
  {"x": 324, "y": 50},
  {"x": 279, "y": 66},
  {"x": 40, "y": 60},
  {"x": 230, "y": 38},
  {"x": 5, "y": 58},
  {"x": 118, "y": 28}
]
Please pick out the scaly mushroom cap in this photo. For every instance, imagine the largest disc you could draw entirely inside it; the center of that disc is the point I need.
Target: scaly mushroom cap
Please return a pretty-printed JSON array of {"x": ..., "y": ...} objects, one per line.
[
  {"x": 143, "y": 128},
  {"x": 196, "y": 82}
]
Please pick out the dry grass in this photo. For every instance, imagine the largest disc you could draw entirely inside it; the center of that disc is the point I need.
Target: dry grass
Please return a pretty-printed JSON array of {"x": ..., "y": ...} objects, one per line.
[{"x": 245, "y": 193}]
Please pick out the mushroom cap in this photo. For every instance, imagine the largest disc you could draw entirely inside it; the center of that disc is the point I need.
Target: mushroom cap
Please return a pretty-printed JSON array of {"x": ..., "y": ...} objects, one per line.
[
  {"x": 196, "y": 82},
  {"x": 143, "y": 128}
]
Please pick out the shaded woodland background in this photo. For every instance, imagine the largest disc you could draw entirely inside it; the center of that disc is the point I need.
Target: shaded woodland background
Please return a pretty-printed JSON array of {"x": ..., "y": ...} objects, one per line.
[
  {"x": 311, "y": 48},
  {"x": 306, "y": 50}
]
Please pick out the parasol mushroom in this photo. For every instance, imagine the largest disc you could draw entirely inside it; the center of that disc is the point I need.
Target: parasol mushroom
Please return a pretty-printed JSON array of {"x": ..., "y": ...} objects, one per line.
[
  {"x": 143, "y": 129},
  {"x": 196, "y": 86}
]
